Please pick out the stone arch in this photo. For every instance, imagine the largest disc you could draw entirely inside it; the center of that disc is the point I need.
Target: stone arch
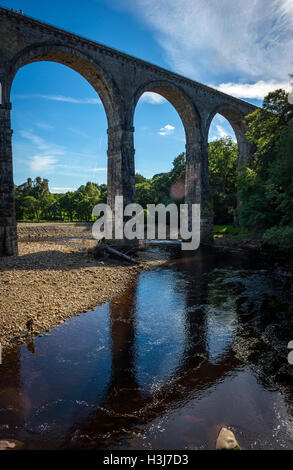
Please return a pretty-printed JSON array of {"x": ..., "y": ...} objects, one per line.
[
  {"x": 196, "y": 181},
  {"x": 235, "y": 117},
  {"x": 184, "y": 106},
  {"x": 78, "y": 61},
  {"x": 83, "y": 64}
]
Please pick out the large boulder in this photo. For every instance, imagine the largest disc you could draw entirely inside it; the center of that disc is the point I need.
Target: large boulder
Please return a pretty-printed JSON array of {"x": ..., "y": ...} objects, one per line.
[
  {"x": 10, "y": 444},
  {"x": 226, "y": 440}
]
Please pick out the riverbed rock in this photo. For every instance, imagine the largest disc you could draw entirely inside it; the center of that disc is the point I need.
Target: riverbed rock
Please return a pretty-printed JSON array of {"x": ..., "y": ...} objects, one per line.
[
  {"x": 11, "y": 444},
  {"x": 226, "y": 440}
]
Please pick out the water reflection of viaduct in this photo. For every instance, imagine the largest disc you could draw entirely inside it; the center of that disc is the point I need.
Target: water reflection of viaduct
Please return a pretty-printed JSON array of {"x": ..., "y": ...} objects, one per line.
[
  {"x": 120, "y": 80},
  {"x": 126, "y": 405}
]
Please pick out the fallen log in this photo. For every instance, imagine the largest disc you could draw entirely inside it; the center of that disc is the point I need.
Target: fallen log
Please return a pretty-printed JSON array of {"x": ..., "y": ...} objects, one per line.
[
  {"x": 101, "y": 248},
  {"x": 115, "y": 252}
]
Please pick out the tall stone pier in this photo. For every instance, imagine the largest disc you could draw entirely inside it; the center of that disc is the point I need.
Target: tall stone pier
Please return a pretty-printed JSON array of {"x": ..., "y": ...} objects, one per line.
[{"x": 8, "y": 236}]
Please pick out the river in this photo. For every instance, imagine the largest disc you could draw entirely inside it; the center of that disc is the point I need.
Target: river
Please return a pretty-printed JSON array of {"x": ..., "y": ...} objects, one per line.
[{"x": 182, "y": 352}]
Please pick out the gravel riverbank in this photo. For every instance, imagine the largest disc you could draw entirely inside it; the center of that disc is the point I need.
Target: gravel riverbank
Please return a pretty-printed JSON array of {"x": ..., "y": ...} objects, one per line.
[{"x": 52, "y": 280}]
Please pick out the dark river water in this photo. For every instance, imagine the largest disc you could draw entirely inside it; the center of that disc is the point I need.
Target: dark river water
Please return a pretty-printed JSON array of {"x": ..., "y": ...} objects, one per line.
[{"x": 164, "y": 366}]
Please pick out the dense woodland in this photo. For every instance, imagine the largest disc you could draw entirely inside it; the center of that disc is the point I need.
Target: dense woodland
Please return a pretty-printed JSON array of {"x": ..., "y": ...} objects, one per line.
[{"x": 265, "y": 188}]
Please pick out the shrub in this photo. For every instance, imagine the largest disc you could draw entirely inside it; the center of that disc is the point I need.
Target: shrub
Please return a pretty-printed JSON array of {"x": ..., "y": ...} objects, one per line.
[{"x": 280, "y": 238}]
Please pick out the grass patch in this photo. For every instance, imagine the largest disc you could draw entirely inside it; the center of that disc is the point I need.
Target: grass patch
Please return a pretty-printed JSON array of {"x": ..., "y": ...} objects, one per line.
[{"x": 238, "y": 233}]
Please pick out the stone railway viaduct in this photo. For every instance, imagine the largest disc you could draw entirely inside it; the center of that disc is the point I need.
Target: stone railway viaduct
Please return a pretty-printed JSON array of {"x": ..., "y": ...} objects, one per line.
[{"x": 119, "y": 80}]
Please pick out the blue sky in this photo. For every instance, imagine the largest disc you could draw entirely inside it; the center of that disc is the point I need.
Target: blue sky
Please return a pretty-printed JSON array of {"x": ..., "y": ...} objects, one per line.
[{"x": 60, "y": 125}]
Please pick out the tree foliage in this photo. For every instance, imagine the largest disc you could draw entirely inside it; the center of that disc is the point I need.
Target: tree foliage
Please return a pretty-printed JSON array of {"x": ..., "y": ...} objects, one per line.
[
  {"x": 266, "y": 189},
  {"x": 223, "y": 157},
  {"x": 158, "y": 189},
  {"x": 34, "y": 201}
]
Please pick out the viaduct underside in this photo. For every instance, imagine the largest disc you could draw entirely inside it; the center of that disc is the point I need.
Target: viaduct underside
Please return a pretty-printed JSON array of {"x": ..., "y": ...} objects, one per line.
[{"x": 119, "y": 80}]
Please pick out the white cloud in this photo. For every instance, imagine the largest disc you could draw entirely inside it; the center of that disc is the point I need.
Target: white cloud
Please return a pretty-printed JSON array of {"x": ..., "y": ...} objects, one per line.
[
  {"x": 57, "y": 189},
  {"x": 152, "y": 98},
  {"x": 44, "y": 125},
  {"x": 65, "y": 99},
  {"x": 79, "y": 168},
  {"x": 221, "y": 118},
  {"x": 69, "y": 99},
  {"x": 220, "y": 128},
  {"x": 221, "y": 131},
  {"x": 257, "y": 90},
  {"x": 42, "y": 164},
  {"x": 78, "y": 132},
  {"x": 210, "y": 38},
  {"x": 166, "y": 130},
  {"x": 41, "y": 144},
  {"x": 44, "y": 160}
]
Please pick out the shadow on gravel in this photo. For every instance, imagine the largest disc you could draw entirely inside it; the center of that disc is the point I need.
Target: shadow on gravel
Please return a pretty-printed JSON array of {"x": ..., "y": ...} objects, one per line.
[{"x": 54, "y": 260}]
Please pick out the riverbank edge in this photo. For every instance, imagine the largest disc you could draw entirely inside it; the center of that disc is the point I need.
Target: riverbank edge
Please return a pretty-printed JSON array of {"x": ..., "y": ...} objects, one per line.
[
  {"x": 49, "y": 284},
  {"x": 256, "y": 245}
]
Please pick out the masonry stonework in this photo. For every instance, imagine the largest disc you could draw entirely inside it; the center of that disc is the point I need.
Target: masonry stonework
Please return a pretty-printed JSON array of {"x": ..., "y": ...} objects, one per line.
[
  {"x": 119, "y": 80},
  {"x": 8, "y": 237}
]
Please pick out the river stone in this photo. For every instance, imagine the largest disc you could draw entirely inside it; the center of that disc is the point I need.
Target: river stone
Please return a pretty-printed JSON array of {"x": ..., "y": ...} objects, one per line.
[
  {"x": 226, "y": 440},
  {"x": 12, "y": 444}
]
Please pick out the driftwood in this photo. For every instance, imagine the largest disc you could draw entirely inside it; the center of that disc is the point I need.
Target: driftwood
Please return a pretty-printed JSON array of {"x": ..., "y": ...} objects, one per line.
[
  {"x": 102, "y": 248},
  {"x": 115, "y": 252}
]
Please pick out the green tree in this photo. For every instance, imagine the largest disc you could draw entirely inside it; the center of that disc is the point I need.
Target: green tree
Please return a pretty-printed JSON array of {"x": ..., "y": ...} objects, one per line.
[
  {"x": 177, "y": 173},
  {"x": 66, "y": 203},
  {"x": 145, "y": 193},
  {"x": 223, "y": 157},
  {"x": 85, "y": 207},
  {"x": 90, "y": 189},
  {"x": 32, "y": 207},
  {"x": 139, "y": 178},
  {"x": 47, "y": 206},
  {"x": 266, "y": 190},
  {"x": 29, "y": 198},
  {"x": 103, "y": 196},
  {"x": 264, "y": 127}
]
